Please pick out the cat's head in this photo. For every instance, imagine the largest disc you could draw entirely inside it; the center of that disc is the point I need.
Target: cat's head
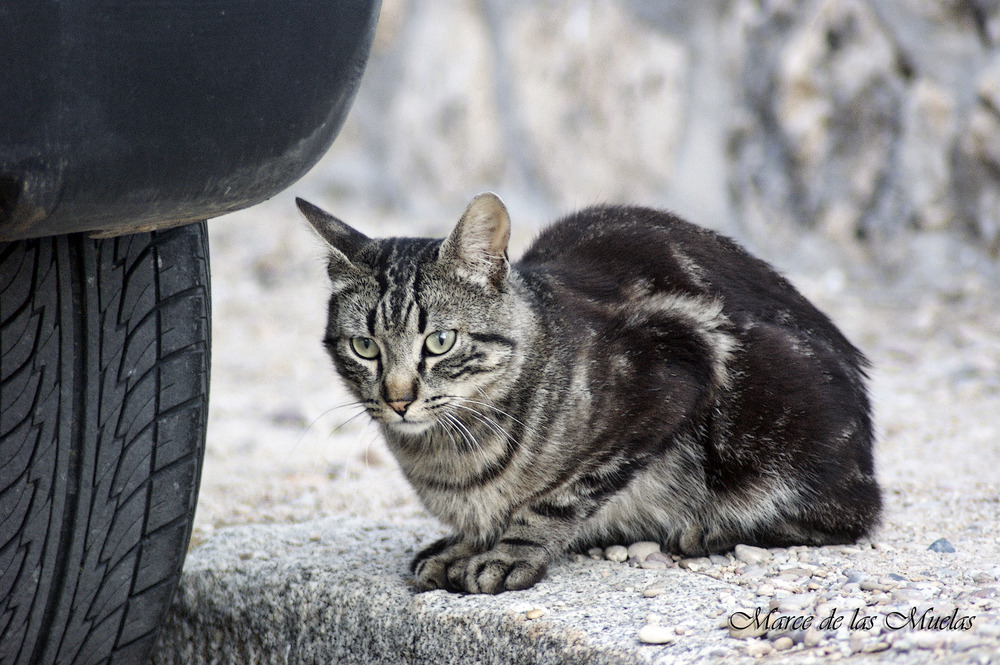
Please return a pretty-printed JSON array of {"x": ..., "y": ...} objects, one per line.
[{"x": 422, "y": 328}]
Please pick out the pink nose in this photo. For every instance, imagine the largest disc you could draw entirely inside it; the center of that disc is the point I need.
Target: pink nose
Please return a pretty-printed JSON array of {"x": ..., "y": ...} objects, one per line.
[{"x": 400, "y": 406}]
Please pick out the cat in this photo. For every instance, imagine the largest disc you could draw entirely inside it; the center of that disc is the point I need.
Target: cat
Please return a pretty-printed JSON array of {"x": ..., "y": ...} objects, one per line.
[{"x": 632, "y": 377}]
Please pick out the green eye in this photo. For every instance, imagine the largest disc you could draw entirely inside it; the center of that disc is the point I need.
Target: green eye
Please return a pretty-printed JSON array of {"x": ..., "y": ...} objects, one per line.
[
  {"x": 365, "y": 347},
  {"x": 440, "y": 342}
]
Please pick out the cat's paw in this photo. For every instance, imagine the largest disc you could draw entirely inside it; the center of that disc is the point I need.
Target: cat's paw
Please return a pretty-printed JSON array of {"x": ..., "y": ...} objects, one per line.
[
  {"x": 501, "y": 569},
  {"x": 430, "y": 567}
]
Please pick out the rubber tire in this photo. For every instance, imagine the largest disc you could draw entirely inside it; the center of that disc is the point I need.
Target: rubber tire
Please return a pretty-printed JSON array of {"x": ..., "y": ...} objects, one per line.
[{"x": 104, "y": 372}]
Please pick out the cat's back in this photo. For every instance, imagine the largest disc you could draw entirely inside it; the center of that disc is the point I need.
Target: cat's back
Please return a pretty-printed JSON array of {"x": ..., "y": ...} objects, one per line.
[
  {"x": 609, "y": 254},
  {"x": 605, "y": 248}
]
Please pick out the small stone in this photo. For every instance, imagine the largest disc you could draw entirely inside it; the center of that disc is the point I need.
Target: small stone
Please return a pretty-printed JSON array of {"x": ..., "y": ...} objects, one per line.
[
  {"x": 897, "y": 578},
  {"x": 534, "y": 614},
  {"x": 875, "y": 647},
  {"x": 754, "y": 571},
  {"x": 854, "y": 576},
  {"x": 751, "y": 554},
  {"x": 783, "y": 643},
  {"x": 695, "y": 564},
  {"x": 982, "y": 578},
  {"x": 653, "y": 565},
  {"x": 907, "y": 596},
  {"x": 812, "y": 637},
  {"x": 639, "y": 551},
  {"x": 758, "y": 649},
  {"x": 941, "y": 545},
  {"x": 659, "y": 558},
  {"x": 747, "y": 627},
  {"x": 868, "y": 585},
  {"x": 595, "y": 553},
  {"x": 765, "y": 590},
  {"x": 796, "y": 602},
  {"x": 653, "y": 592},
  {"x": 616, "y": 553},
  {"x": 657, "y": 634}
]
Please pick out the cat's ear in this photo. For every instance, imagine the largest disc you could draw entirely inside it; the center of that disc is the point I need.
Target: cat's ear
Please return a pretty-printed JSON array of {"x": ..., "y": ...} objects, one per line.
[
  {"x": 344, "y": 241},
  {"x": 338, "y": 235},
  {"x": 477, "y": 248}
]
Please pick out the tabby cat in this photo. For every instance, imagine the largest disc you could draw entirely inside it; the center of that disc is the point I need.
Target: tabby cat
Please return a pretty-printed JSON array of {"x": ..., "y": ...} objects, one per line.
[{"x": 632, "y": 377}]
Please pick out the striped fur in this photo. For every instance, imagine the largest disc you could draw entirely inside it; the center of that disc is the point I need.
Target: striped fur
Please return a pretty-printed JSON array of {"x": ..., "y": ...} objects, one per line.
[{"x": 631, "y": 377}]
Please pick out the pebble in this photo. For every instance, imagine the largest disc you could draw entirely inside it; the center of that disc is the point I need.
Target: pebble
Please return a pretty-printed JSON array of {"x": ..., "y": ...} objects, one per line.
[
  {"x": 758, "y": 649},
  {"x": 875, "y": 647},
  {"x": 616, "y": 553},
  {"x": 812, "y": 637},
  {"x": 941, "y": 545},
  {"x": 854, "y": 576},
  {"x": 749, "y": 630},
  {"x": 639, "y": 551},
  {"x": 653, "y": 592},
  {"x": 751, "y": 554},
  {"x": 653, "y": 565},
  {"x": 765, "y": 590},
  {"x": 657, "y": 634},
  {"x": 595, "y": 553},
  {"x": 796, "y": 602},
  {"x": 534, "y": 614},
  {"x": 783, "y": 643},
  {"x": 695, "y": 564},
  {"x": 657, "y": 561},
  {"x": 754, "y": 571}
]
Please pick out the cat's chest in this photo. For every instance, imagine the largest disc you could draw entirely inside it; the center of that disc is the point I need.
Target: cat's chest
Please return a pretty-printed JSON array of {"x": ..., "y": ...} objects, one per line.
[{"x": 473, "y": 511}]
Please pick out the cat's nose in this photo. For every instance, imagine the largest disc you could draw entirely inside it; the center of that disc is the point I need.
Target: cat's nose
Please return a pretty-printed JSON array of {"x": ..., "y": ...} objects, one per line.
[{"x": 400, "y": 405}]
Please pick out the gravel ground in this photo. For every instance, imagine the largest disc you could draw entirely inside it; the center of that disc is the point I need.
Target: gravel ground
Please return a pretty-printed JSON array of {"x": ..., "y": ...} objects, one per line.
[{"x": 280, "y": 449}]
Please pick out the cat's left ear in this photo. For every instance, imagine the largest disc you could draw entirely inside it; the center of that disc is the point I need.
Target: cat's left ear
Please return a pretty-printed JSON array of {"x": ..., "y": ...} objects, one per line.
[{"x": 477, "y": 247}]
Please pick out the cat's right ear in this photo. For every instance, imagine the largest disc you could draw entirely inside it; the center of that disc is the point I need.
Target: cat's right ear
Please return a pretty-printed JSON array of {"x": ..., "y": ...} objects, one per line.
[
  {"x": 344, "y": 241},
  {"x": 338, "y": 235}
]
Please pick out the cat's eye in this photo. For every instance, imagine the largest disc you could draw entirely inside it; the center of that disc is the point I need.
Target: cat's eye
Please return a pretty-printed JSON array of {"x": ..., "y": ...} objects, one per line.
[
  {"x": 365, "y": 347},
  {"x": 440, "y": 342}
]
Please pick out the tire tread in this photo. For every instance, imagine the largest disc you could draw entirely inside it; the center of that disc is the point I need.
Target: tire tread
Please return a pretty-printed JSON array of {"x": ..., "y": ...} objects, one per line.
[{"x": 105, "y": 528}]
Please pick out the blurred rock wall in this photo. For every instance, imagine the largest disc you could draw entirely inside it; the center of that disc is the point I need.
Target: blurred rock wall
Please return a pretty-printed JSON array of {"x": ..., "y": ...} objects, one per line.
[{"x": 866, "y": 120}]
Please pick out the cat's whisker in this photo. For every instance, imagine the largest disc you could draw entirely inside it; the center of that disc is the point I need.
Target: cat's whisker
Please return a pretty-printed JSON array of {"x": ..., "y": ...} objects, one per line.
[
  {"x": 491, "y": 424},
  {"x": 489, "y": 405},
  {"x": 474, "y": 445},
  {"x": 308, "y": 428}
]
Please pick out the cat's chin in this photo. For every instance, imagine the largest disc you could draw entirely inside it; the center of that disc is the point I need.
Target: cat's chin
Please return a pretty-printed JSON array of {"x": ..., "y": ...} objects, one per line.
[{"x": 409, "y": 428}]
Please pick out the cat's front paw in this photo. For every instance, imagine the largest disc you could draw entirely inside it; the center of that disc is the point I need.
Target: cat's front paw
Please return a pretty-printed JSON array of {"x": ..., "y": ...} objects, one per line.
[
  {"x": 503, "y": 569},
  {"x": 431, "y": 566}
]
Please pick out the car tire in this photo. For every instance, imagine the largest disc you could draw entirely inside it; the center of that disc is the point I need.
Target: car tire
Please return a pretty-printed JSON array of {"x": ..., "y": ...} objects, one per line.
[{"x": 104, "y": 372}]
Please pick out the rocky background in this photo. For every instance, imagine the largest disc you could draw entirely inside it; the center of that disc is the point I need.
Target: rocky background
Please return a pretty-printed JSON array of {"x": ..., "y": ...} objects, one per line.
[{"x": 874, "y": 123}]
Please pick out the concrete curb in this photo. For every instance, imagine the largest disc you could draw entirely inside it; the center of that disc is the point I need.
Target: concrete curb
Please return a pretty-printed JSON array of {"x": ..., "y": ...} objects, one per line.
[{"x": 334, "y": 591}]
